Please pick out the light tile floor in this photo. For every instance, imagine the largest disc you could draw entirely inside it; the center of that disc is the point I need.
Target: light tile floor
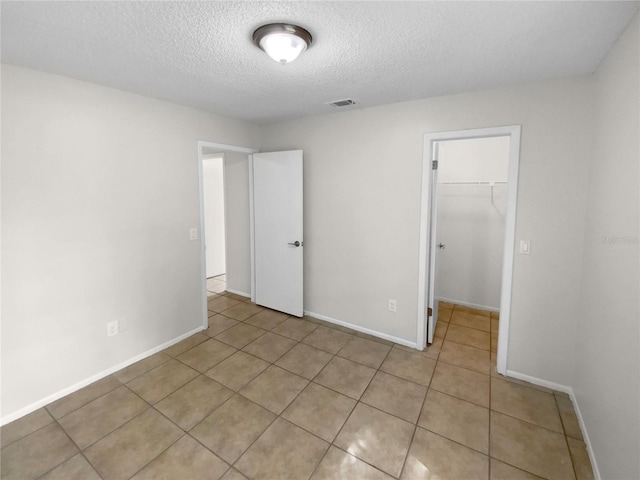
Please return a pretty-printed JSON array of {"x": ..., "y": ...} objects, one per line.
[{"x": 266, "y": 396}]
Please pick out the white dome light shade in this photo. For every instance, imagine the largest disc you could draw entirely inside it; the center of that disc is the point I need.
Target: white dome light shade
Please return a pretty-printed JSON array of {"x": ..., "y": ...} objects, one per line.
[
  {"x": 283, "y": 47},
  {"x": 282, "y": 42}
]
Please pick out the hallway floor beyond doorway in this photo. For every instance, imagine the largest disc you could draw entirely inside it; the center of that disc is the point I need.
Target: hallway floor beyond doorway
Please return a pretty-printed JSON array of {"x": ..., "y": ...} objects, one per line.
[{"x": 217, "y": 284}]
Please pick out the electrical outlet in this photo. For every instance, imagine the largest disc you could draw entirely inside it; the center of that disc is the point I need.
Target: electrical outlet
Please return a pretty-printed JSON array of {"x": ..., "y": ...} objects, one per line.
[
  {"x": 112, "y": 329},
  {"x": 392, "y": 305},
  {"x": 193, "y": 234}
]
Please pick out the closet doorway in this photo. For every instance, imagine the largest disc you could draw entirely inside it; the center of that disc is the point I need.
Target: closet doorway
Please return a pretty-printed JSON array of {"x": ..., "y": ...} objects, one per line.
[
  {"x": 468, "y": 230},
  {"x": 471, "y": 207}
]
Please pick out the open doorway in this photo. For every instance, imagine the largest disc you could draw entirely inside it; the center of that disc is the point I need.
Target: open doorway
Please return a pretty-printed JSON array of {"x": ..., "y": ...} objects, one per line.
[
  {"x": 257, "y": 196},
  {"x": 214, "y": 221},
  {"x": 225, "y": 240},
  {"x": 471, "y": 210},
  {"x": 475, "y": 274}
]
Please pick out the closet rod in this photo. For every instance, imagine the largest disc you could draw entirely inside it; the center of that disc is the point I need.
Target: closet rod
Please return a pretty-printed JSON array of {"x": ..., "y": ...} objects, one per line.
[{"x": 488, "y": 184}]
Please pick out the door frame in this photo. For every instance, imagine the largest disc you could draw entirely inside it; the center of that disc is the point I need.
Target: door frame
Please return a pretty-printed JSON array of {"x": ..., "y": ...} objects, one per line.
[
  {"x": 513, "y": 132},
  {"x": 220, "y": 148}
]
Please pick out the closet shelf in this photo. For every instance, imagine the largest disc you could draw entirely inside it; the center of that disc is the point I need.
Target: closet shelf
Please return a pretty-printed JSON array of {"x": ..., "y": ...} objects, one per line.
[{"x": 482, "y": 184}]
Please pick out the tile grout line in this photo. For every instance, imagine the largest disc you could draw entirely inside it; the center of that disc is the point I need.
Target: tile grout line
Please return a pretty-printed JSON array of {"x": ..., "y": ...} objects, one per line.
[
  {"x": 78, "y": 451},
  {"x": 471, "y": 328},
  {"x": 277, "y": 416},
  {"x": 465, "y": 344},
  {"x": 465, "y": 368},
  {"x": 415, "y": 429},
  {"x": 361, "y": 460},
  {"x": 231, "y": 464},
  {"x": 31, "y": 433},
  {"x": 528, "y": 423},
  {"x": 424, "y": 401},
  {"x": 184, "y": 434},
  {"x": 256, "y": 439},
  {"x": 489, "y": 426},
  {"x": 358, "y": 401},
  {"x": 95, "y": 467},
  {"x": 566, "y": 439},
  {"x": 152, "y": 406},
  {"x": 149, "y": 407},
  {"x": 465, "y": 400},
  {"x": 488, "y": 454},
  {"x": 220, "y": 406},
  {"x": 85, "y": 404},
  {"x": 309, "y": 381},
  {"x": 81, "y": 450},
  {"x": 187, "y": 430}
]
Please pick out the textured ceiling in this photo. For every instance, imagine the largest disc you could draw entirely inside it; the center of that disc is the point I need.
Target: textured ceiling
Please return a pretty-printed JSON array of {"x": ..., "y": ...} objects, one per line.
[{"x": 200, "y": 53}]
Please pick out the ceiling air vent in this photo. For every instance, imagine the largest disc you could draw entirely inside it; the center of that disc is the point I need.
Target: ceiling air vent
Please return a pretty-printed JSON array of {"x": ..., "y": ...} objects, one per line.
[{"x": 342, "y": 103}]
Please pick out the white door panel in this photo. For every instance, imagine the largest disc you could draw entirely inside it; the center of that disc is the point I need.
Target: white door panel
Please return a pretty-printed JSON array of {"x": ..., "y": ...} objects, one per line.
[{"x": 277, "y": 207}]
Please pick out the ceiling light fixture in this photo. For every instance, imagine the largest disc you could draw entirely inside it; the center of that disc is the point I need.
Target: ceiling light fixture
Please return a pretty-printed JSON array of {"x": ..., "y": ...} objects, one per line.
[{"x": 281, "y": 41}]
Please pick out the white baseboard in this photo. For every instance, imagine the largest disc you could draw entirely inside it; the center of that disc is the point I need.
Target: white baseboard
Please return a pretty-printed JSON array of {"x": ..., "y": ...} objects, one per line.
[
  {"x": 538, "y": 381},
  {"x": 358, "y": 328},
  {"x": 469, "y": 304},
  {"x": 238, "y": 292},
  {"x": 568, "y": 390},
  {"x": 94, "y": 378},
  {"x": 585, "y": 434}
]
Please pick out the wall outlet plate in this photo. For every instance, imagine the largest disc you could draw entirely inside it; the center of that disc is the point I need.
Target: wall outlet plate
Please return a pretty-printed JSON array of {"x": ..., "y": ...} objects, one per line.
[
  {"x": 392, "y": 305},
  {"x": 112, "y": 329}
]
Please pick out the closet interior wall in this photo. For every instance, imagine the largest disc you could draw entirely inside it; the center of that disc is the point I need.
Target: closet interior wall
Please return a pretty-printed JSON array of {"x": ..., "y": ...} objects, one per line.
[{"x": 471, "y": 209}]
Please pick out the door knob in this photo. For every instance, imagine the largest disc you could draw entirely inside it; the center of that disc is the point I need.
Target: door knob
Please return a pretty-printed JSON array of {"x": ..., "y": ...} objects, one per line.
[
  {"x": 296, "y": 244},
  {"x": 441, "y": 246}
]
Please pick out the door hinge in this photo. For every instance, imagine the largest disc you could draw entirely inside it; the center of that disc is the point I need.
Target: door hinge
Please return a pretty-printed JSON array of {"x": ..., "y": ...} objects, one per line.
[
  {"x": 434, "y": 165},
  {"x": 429, "y": 312}
]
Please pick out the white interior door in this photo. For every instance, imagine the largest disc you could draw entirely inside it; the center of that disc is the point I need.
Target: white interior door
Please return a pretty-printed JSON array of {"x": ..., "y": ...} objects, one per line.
[
  {"x": 214, "y": 225},
  {"x": 432, "y": 300},
  {"x": 278, "y": 240}
]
